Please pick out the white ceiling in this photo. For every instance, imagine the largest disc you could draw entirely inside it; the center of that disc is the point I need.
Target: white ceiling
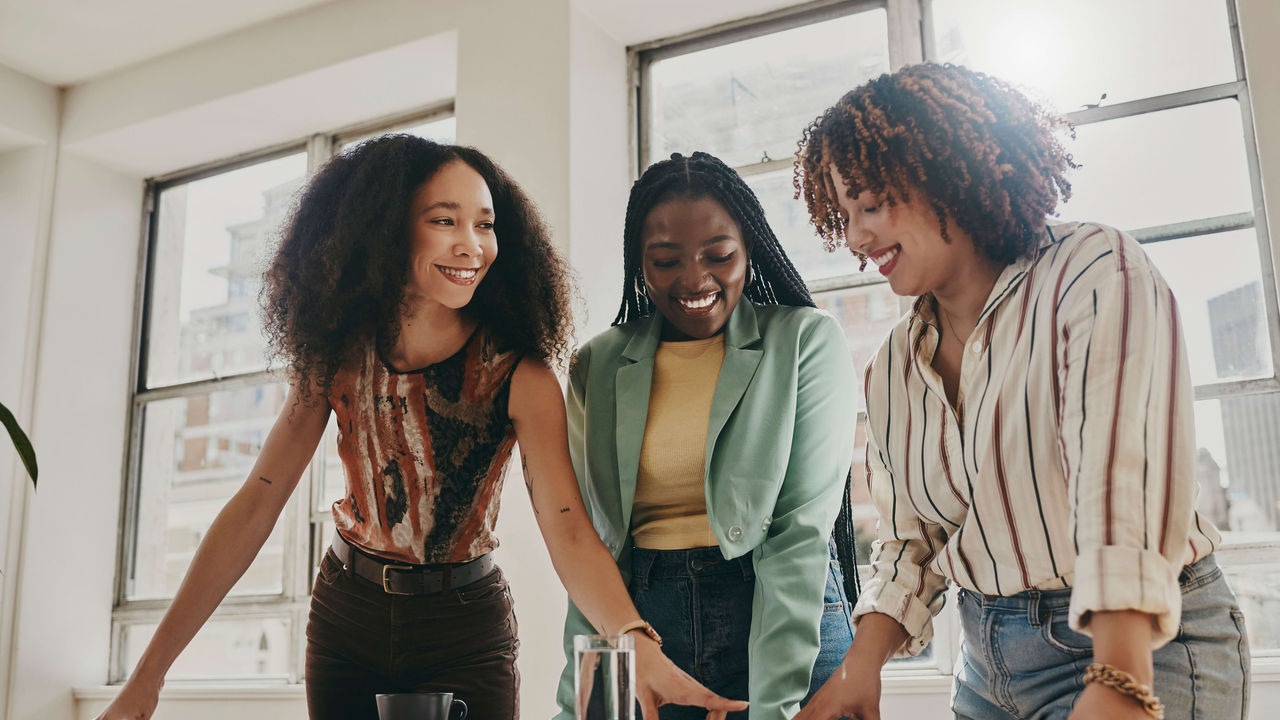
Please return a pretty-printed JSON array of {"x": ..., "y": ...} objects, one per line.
[{"x": 64, "y": 42}]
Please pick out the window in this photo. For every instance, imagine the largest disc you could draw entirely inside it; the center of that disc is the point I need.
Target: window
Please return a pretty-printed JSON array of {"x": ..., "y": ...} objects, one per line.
[
  {"x": 203, "y": 403},
  {"x": 1165, "y": 139}
]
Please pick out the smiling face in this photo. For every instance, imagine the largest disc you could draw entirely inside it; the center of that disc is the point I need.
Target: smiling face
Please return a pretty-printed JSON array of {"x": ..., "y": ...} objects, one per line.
[
  {"x": 452, "y": 242},
  {"x": 905, "y": 240},
  {"x": 694, "y": 262}
]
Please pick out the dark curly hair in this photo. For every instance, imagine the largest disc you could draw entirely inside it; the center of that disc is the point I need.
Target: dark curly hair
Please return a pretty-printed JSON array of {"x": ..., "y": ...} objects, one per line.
[
  {"x": 775, "y": 280},
  {"x": 338, "y": 278},
  {"x": 977, "y": 148}
]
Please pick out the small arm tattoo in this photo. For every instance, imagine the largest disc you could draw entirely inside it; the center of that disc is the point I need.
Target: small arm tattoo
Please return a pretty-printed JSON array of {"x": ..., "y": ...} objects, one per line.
[
  {"x": 528, "y": 481},
  {"x": 264, "y": 480}
]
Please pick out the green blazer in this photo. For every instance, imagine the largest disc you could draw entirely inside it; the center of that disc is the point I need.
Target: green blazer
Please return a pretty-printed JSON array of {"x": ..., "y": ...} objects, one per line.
[{"x": 779, "y": 444}]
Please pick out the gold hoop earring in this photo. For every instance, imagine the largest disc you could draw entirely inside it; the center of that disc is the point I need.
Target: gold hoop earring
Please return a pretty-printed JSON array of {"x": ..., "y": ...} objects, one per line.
[
  {"x": 640, "y": 288},
  {"x": 751, "y": 272}
]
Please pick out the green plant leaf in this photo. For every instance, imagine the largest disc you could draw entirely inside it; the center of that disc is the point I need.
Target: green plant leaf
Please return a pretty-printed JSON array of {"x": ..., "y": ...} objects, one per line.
[{"x": 21, "y": 442}]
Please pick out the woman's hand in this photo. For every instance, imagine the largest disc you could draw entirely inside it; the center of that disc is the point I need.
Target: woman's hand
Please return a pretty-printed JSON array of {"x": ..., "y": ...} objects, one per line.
[
  {"x": 1099, "y": 702},
  {"x": 1121, "y": 639},
  {"x": 851, "y": 692},
  {"x": 137, "y": 701},
  {"x": 659, "y": 682}
]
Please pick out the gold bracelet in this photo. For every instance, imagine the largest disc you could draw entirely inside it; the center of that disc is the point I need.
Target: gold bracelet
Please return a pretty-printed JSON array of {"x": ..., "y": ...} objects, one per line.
[
  {"x": 644, "y": 626},
  {"x": 1124, "y": 683}
]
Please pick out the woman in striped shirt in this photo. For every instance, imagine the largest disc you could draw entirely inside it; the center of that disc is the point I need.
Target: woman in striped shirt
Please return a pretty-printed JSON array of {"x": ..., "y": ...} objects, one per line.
[{"x": 1030, "y": 429}]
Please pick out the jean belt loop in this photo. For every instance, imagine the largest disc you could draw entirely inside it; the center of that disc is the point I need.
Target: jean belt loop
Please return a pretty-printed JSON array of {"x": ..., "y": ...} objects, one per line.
[
  {"x": 641, "y": 570},
  {"x": 1033, "y": 608},
  {"x": 1187, "y": 574}
]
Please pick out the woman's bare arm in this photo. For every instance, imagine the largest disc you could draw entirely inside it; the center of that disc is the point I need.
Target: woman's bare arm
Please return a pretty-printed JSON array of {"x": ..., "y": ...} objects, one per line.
[{"x": 225, "y": 553}]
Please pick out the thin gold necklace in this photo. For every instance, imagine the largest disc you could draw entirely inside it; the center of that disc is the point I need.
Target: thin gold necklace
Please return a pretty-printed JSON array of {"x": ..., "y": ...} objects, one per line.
[{"x": 946, "y": 316}]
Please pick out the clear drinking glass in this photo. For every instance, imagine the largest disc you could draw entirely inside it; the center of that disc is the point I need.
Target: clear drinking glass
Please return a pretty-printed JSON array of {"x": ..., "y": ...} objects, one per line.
[{"x": 604, "y": 677}]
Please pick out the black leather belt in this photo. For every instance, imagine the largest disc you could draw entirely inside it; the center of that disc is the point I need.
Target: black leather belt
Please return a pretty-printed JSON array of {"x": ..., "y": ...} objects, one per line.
[{"x": 400, "y": 579}]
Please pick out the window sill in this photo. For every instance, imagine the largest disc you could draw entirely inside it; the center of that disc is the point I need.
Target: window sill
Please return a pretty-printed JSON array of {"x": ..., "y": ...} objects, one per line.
[{"x": 212, "y": 690}]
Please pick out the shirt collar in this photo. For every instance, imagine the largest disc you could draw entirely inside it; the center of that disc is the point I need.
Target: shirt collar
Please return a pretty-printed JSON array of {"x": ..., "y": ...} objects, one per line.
[{"x": 1009, "y": 279}]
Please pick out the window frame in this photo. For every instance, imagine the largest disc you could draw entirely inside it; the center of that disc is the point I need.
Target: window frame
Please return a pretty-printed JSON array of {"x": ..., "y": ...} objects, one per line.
[
  {"x": 300, "y": 521},
  {"x": 911, "y": 40}
]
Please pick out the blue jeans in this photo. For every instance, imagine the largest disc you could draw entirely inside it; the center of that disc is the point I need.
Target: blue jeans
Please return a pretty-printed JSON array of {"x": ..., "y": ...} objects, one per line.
[
  {"x": 700, "y": 604},
  {"x": 1020, "y": 660}
]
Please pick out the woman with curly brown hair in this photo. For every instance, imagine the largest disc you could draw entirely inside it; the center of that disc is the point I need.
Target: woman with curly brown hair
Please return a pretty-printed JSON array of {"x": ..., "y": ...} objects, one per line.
[
  {"x": 417, "y": 298},
  {"x": 1030, "y": 428}
]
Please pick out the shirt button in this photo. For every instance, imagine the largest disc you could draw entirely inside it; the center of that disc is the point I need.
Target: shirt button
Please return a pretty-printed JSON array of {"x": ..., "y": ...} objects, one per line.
[
  {"x": 976, "y": 346},
  {"x": 765, "y": 525},
  {"x": 735, "y": 533}
]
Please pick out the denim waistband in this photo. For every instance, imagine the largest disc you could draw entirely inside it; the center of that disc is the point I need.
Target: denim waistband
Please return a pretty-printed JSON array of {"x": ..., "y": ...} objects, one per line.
[
  {"x": 694, "y": 562},
  {"x": 1191, "y": 577}
]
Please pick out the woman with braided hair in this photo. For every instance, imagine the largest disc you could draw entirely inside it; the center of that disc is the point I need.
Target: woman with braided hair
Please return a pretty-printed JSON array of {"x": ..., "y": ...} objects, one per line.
[
  {"x": 1030, "y": 434},
  {"x": 710, "y": 435}
]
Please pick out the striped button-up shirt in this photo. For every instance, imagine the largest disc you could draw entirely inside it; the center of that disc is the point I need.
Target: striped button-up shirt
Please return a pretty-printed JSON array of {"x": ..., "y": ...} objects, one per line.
[{"x": 1069, "y": 458}]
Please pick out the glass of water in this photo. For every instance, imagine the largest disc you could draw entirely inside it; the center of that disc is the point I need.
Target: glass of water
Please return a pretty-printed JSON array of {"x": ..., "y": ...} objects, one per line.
[{"x": 604, "y": 677}]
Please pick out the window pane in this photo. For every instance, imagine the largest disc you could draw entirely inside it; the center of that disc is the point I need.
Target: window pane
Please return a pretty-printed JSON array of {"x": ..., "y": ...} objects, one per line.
[
  {"x": 867, "y": 314},
  {"x": 1257, "y": 589},
  {"x": 1162, "y": 167},
  {"x": 789, "y": 219},
  {"x": 212, "y": 240},
  {"x": 1238, "y": 466},
  {"x": 333, "y": 484},
  {"x": 1238, "y": 463},
  {"x": 196, "y": 452},
  {"x": 443, "y": 130},
  {"x": 224, "y": 648},
  {"x": 745, "y": 99},
  {"x": 1073, "y": 51},
  {"x": 1220, "y": 303}
]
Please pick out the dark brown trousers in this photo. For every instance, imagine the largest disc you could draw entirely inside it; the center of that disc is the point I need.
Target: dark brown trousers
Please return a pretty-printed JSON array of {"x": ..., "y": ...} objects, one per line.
[{"x": 362, "y": 642}]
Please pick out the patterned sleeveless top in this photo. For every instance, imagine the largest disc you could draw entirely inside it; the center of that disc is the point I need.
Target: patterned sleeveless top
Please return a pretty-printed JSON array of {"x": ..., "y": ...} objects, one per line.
[{"x": 425, "y": 453}]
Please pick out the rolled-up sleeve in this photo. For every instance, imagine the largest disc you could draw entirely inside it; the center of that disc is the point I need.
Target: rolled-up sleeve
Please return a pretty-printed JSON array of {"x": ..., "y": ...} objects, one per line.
[
  {"x": 902, "y": 584},
  {"x": 1127, "y": 436}
]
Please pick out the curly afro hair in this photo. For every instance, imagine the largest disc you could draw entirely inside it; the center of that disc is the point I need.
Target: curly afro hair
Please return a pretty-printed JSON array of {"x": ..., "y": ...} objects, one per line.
[
  {"x": 337, "y": 280},
  {"x": 978, "y": 150}
]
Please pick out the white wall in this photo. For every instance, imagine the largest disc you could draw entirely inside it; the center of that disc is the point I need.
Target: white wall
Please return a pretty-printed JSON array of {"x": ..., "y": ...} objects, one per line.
[
  {"x": 557, "y": 119},
  {"x": 81, "y": 398}
]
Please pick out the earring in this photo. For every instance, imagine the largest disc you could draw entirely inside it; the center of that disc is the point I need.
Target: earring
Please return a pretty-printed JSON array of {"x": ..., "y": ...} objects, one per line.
[
  {"x": 640, "y": 289},
  {"x": 751, "y": 272}
]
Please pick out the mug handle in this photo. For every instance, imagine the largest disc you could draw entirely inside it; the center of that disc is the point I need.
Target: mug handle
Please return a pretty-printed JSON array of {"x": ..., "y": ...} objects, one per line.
[{"x": 457, "y": 702}]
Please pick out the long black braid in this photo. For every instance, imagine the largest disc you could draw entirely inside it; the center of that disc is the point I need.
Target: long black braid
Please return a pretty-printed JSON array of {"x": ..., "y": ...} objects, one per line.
[{"x": 774, "y": 280}]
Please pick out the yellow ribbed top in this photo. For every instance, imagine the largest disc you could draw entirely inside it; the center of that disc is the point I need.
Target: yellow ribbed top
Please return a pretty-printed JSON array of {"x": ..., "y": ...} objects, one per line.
[{"x": 670, "y": 508}]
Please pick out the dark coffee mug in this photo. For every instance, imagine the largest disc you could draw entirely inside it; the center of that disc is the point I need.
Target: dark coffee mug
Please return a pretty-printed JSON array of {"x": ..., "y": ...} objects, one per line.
[{"x": 420, "y": 706}]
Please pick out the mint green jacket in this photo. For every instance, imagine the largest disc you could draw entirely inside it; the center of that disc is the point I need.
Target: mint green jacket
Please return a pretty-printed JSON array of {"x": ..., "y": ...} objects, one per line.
[{"x": 779, "y": 444}]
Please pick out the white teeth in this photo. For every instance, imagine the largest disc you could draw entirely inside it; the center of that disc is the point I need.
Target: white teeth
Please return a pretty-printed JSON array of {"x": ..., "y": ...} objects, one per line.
[
  {"x": 884, "y": 258},
  {"x": 700, "y": 302},
  {"x": 461, "y": 273}
]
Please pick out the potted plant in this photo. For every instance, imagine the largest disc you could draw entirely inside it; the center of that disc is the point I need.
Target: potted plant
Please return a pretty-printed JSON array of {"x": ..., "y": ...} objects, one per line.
[{"x": 20, "y": 441}]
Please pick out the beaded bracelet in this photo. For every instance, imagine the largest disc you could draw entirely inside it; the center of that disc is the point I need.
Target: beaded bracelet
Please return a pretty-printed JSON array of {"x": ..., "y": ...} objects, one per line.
[{"x": 1124, "y": 683}]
